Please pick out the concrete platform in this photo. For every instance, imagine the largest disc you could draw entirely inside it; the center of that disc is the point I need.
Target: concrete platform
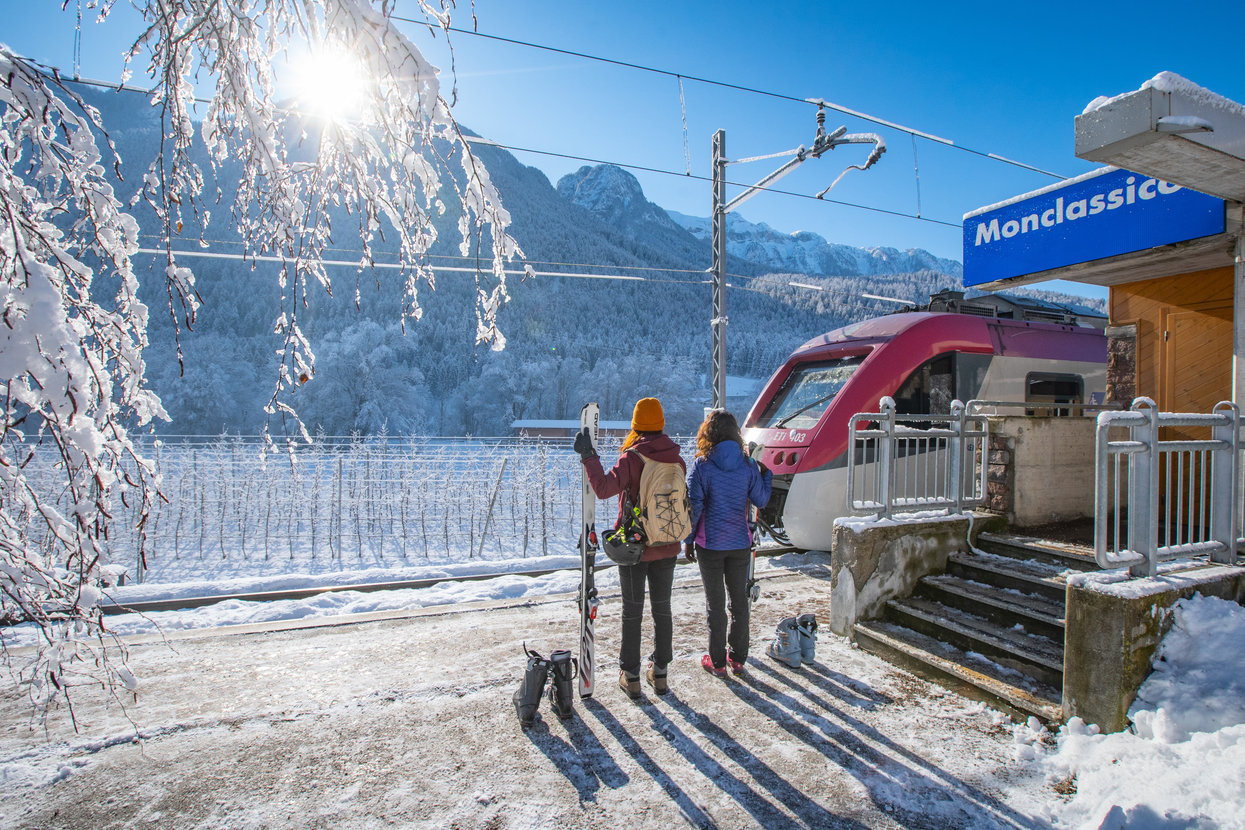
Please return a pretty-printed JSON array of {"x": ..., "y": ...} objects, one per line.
[{"x": 406, "y": 720}]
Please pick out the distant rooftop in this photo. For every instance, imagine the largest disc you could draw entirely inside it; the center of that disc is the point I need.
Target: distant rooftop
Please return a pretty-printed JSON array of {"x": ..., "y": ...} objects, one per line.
[{"x": 563, "y": 423}]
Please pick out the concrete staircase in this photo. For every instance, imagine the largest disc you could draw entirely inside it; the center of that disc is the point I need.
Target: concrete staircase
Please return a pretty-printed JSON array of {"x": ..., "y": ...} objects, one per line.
[{"x": 991, "y": 627}]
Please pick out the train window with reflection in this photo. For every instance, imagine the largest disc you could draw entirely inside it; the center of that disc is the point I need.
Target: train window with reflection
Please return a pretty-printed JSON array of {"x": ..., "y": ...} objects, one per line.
[
  {"x": 808, "y": 390},
  {"x": 1050, "y": 388},
  {"x": 928, "y": 390}
]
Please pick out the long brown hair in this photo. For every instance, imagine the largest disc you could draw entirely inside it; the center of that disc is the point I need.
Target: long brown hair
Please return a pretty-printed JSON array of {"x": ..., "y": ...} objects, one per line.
[
  {"x": 718, "y": 426},
  {"x": 633, "y": 437}
]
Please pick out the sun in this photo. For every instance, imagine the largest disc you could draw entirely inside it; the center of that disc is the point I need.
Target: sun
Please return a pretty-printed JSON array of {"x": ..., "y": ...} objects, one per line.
[{"x": 329, "y": 83}]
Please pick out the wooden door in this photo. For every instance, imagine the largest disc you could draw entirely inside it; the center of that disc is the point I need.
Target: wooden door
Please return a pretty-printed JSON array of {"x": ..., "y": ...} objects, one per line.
[
  {"x": 1197, "y": 359},
  {"x": 1196, "y": 374}
]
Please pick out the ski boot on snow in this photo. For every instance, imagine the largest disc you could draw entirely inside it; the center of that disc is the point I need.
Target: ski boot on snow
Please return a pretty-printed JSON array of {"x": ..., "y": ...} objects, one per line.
[
  {"x": 806, "y": 625},
  {"x": 562, "y": 683},
  {"x": 527, "y": 698},
  {"x": 785, "y": 647}
]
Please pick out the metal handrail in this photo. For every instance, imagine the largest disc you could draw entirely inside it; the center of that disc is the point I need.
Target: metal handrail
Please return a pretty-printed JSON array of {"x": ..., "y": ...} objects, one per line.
[
  {"x": 975, "y": 406},
  {"x": 1192, "y": 489},
  {"x": 916, "y": 468}
]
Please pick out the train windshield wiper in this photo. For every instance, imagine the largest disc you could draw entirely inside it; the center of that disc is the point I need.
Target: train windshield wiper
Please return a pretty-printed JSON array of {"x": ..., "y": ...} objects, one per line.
[{"x": 803, "y": 409}]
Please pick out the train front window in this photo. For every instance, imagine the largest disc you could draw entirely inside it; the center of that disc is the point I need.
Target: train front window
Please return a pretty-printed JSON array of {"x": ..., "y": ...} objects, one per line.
[{"x": 807, "y": 392}]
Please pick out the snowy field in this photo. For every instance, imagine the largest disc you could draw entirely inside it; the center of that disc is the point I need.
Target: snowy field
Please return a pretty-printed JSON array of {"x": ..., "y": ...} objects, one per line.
[
  {"x": 230, "y": 509},
  {"x": 396, "y": 711}
]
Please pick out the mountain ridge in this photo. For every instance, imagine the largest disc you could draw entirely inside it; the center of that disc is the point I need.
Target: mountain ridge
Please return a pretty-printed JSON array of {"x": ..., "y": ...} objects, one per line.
[{"x": 615, "y": 195}]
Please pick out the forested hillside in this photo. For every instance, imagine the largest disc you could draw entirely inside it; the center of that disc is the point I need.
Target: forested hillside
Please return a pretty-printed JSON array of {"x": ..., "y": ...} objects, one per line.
[{"x": 569, "y": 339}]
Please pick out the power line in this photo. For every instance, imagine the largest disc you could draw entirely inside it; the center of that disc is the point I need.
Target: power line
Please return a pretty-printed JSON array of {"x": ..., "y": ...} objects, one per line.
[
  {"x": 400, "y": 267},
  {"x": 626, "y": 165},
  {"x": 643, "y": 168},
  {"x": 752, "y": 90},
  {"x": 395, "y": 266},
  {"x": 449, "y": 257}
]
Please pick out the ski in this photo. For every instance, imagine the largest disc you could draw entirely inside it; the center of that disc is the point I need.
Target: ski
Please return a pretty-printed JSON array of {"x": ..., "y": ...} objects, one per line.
[
  {"x": 754, "y": 587},
  {"x": 589, "y": 417}
]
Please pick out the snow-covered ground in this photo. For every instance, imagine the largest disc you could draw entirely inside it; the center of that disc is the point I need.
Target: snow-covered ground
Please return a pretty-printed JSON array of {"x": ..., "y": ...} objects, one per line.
[{"x": 363, "y": 709}]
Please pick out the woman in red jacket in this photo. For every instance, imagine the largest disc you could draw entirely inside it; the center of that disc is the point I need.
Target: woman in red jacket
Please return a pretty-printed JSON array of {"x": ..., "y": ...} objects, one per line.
[{"x": 656, "y": 566}]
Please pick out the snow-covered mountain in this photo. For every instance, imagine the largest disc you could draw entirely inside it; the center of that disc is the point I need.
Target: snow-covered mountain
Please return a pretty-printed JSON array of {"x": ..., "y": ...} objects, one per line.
[
  {"x": 615, "y": 197},
  {"x": 805, "y": 252}
]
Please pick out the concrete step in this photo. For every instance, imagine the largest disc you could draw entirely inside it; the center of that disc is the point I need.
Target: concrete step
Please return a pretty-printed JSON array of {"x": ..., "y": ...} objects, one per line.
[
  {"x": 1074, "y": 557},
  {"x": 1026, "y": 576},
  {"x": 971, "y": 675},
  {"x": 1005, "y": 606},
  {"x": 1031, "y": 654}
]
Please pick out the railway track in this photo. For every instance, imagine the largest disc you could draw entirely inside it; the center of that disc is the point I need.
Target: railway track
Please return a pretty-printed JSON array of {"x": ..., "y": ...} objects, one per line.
[{"x": 185, "y": 603}]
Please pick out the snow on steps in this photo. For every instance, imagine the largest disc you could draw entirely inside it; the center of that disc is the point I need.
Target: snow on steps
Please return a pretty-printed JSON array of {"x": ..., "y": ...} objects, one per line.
[
  {"x": 992, "y": 626},
  {"x": 968, "y": 674}
]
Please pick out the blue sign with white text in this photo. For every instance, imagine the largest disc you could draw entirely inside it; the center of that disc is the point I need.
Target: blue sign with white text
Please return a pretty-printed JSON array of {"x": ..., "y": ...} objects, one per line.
[{"x": 1097, "y": 216}]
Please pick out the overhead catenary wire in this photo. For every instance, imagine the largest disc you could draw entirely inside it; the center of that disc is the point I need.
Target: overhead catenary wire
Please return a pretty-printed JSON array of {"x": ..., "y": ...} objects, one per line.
[
  {"x": 512, "y": 148},
  {"x": 396, "y": 266},
  {"x": 901, "y": 214},
  {"x": 450, "y": 257},
  {"x": 592, "y": 160},
  {"x": 752, "y": 90}
]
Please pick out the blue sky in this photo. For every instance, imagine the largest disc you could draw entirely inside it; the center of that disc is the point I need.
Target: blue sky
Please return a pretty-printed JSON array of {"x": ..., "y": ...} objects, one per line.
[{"x": 1002, "y": 78}]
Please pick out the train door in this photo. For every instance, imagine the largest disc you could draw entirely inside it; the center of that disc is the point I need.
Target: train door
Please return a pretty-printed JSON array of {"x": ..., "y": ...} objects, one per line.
[
  {"x": 922, "y": 464},
  {"x": 930, "y": 388}
]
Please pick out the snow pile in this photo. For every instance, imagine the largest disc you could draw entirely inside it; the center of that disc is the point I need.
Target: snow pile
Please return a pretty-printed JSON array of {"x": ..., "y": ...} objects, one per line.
[
  {"x": 1171, "y": 82},
  {"x": 1180, "y": 764}
]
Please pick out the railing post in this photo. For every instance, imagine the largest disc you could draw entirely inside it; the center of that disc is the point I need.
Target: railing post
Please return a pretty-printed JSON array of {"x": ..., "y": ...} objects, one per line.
[
  {"x": 956, "y": 450},
  {"x": 1226, "y": 478},
  {"x": 887, "y": 480},
  {"x": 1143, "y": 485}
]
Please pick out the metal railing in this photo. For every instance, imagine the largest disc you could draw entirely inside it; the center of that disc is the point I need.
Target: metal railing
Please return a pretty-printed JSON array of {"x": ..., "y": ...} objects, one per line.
[
  {"x": 1160, "y": 498},
  {"x": 1040, "y": 408},
  {"x": 910, "y": 463}
]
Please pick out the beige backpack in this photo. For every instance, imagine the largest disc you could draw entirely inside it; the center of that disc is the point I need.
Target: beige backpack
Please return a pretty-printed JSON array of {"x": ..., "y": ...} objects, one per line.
[{"x": 665, "y": 513}]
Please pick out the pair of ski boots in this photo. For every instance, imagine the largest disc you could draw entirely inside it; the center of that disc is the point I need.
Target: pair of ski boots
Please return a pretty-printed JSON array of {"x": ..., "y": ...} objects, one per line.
[
  {"x": 559, "y": 670},
  {"x": 795, "y": 641}
]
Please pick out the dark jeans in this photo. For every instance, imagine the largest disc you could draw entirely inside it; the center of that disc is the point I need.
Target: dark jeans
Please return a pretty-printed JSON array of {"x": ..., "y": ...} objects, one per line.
[
  {"x": 659, "y": 574},
  {"x": 725, "y": 574}
]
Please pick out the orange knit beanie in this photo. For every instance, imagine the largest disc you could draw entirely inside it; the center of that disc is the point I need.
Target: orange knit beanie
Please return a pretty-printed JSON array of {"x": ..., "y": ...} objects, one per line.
[{"x": 648, "y": 416}]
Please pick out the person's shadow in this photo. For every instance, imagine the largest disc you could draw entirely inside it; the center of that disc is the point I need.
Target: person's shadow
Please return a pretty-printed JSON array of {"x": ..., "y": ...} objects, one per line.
[
  {"x": 897, "y": 779},
  {"x": 764, "y": 807},
  {"x": 585, "y": 762},
  {"x": 691, "y": 811}
]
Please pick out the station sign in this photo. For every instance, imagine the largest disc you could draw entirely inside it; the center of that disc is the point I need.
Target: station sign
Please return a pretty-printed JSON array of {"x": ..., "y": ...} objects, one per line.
[{"x": 1099, "y": 215}]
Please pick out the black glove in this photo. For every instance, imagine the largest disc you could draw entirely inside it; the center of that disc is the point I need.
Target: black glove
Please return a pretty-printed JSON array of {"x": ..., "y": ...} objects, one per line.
[
  {"x": 689, "y": 550},
  {"x": 583, "y": 445}
]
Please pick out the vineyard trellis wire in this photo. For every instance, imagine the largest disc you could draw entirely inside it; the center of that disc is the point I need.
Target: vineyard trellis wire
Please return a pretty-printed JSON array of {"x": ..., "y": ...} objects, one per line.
[{"x": 348, "y": 503}]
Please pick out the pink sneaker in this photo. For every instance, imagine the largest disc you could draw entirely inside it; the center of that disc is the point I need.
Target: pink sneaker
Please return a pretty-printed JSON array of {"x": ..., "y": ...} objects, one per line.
[
  {"x": 706, "y": 663},
  {"x": 735, "y": 666}
]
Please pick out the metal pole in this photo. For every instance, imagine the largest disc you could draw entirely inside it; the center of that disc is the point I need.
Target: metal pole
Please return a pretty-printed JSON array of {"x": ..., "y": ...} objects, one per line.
[
  {"x": 1238, "y": 323},
  {"x": 718, "y": 322}
]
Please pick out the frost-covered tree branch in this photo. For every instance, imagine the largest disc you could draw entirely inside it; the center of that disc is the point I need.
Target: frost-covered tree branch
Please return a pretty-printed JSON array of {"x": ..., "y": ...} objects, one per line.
[
  {"x": 71, "y": 375},
  {"x": 72, "y": 329}
]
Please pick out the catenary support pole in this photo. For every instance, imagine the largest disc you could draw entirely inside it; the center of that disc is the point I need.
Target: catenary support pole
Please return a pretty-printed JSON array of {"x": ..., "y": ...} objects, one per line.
[
  {"x": 719, "y": 270},
  {"x": 822, "y": 142}
]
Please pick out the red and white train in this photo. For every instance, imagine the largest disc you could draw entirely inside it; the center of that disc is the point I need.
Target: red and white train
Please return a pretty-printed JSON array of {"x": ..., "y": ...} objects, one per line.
[{"x": 1023, "y": 351}]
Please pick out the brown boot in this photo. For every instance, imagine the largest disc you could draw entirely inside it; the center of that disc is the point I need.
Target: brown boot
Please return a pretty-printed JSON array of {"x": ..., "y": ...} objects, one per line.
[
  {"x": 630, "y": 684},
  {"x": 656, "y": 679}
]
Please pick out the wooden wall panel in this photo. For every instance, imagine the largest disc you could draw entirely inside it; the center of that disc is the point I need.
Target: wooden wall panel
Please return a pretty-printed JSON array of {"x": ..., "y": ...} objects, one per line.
[{"x": 1152, "y": 305}]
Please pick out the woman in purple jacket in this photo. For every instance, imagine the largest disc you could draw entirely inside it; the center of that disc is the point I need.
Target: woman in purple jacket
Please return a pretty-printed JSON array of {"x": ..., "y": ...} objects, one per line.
[{"x": 721, "y": 485}]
